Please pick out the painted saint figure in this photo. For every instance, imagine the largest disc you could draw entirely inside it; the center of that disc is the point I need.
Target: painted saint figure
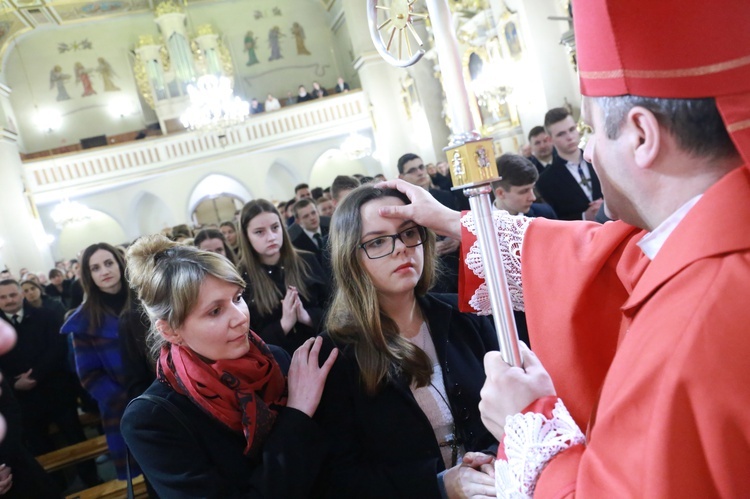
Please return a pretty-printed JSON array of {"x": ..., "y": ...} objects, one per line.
[
  {"x": 82, "y": 77},
  {"x": 250, "y": 44},
  {"x": 273, "y": 41},
  {"x": 299, "y": 36},
  {"x": 106, "y": 72},
  {"x": 57, "y": 78}
]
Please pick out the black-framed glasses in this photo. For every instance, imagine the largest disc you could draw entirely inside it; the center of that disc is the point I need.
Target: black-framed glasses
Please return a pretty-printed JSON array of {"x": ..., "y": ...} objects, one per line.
[{"x": 384, "y": 245}]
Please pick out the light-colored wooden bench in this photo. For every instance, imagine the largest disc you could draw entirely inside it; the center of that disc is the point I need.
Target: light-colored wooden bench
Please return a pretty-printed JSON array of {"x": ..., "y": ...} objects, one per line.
[
  {"x": 73, "y": 454},
  {"x": 114, "y": 489}
]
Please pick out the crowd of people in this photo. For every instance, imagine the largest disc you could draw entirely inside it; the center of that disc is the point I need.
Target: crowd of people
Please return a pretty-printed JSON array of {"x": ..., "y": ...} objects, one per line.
[
  {"x": 293, "y": 354},
  {"x": 271, "y": 103},
  {"x": 265, "y": 303}
]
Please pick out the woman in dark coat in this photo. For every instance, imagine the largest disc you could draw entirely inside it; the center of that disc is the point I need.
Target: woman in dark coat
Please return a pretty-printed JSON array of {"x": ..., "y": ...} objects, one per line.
[
  {"x": 219, "y": 421},
  {"x": 400, "y": 406}
]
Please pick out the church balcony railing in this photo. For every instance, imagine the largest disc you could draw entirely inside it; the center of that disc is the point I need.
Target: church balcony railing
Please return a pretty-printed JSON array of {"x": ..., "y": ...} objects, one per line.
[{"x": 68, "y": 175}]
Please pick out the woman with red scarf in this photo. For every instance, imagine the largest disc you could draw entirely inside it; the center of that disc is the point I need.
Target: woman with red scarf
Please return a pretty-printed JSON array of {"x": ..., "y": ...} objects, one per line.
[{"x": 232, "y": 426}]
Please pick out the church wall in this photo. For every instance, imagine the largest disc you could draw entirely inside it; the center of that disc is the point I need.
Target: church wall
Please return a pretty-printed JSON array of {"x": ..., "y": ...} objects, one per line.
[
  {"x": 103, "y": 50},
  {"x": 257, "y": 172}
]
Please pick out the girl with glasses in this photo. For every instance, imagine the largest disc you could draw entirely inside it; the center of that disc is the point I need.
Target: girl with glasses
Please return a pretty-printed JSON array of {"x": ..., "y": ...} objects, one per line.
[{"x": 401, "y": 403}]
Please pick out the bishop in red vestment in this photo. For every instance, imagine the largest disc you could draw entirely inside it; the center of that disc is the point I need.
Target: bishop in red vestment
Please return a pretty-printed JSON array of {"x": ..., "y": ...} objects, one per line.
[{"x": 642, "y": 324}]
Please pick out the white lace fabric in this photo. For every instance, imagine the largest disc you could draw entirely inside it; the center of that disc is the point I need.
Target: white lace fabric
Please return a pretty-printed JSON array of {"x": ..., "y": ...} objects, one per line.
[
  {"x": 510, "y": 231},
  {"x": 531, "y": 441}
]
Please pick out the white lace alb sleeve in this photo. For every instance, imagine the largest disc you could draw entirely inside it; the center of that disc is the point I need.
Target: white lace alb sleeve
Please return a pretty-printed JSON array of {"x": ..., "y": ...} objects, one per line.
[
  {"x": 510, "y": 232},
  {"x": 531, "y": 441}
]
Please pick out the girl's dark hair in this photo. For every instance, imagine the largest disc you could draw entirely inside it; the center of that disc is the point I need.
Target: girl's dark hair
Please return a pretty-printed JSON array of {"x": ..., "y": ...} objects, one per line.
[
  {"x": 93, "y": 307},
  {"x": 207, "y": 234}
]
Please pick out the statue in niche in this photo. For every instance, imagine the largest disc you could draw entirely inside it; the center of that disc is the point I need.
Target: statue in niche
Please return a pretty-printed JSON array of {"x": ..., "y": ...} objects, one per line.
[
  {"x": 273, "y": 40},
  {"x": 57, "y": 79},
  {"x": 82, "y": 77},
  {"x": 106, "y": 72},
  {"x": 299, "y": 36},
  {"x": 250, "y": 45}
]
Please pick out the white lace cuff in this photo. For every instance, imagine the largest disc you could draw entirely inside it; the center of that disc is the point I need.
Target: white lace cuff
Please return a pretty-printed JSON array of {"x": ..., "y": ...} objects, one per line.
[
  {"x": 510, "y": 232},
  {"x": 531, "y": 441}
]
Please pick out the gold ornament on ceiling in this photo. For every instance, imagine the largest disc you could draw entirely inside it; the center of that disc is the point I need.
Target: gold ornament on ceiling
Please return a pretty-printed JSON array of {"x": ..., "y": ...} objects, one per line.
[{"x": 168, "y": 7}]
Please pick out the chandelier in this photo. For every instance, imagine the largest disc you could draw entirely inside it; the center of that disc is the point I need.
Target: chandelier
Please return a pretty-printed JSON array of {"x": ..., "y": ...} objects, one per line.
[
  {"x": 356, "y": 146},
  {"x": 68, "y": 212},
  {"x": 213, "y": 105}
]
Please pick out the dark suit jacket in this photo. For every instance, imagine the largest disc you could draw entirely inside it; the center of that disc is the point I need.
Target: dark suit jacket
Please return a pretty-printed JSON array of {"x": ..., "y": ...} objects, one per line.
[
  {"x": 209, "y": 463},
  {"x": 29, "y": 478},
  {"x": 561, "y": 191},
  {"x": 541, "y": 210},
  {"x": 40, "y": 347},
  {"x": 301, "y": 240},
  {"x": 383, "y": 445}
]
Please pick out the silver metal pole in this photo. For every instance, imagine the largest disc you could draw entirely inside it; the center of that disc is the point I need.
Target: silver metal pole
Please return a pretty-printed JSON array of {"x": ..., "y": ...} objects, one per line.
[{"x": 497, "y": 283}]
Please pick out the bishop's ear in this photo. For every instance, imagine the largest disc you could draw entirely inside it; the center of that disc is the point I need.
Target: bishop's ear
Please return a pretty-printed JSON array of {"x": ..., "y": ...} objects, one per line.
[{"x": 642, "y": 128}]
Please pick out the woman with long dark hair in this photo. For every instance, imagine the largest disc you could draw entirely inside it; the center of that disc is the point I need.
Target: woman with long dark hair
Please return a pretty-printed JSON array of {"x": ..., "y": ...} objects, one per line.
[
  {"x": 286, "y": 287},
  {"x": 401, "y": 403},
  {"x": 94, "y": 326}
]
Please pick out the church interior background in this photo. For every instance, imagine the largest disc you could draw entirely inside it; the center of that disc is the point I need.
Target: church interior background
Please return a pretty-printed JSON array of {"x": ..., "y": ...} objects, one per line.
[{"x": 92, "y": 148}]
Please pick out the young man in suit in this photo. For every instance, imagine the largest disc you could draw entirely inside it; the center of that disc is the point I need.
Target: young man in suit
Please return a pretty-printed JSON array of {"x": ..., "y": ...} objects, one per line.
[
  {"x": 515, "y": 192},
  {"x": 542, "y": 150},
  {"x": 569, "y": 184},
  {"x": 310, "y": 231}
]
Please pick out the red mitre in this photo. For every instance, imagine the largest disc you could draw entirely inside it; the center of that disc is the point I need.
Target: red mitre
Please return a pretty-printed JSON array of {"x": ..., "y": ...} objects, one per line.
[{"x": 671, "y": 49}]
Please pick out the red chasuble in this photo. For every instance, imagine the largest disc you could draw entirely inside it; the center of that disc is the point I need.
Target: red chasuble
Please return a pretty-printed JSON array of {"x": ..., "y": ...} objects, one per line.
[{"x": 652, "y": 357}]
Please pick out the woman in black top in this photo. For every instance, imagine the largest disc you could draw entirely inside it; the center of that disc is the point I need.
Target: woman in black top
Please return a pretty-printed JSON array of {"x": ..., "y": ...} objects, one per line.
[
  {"x": 286, "y": 288},
  {"x": 220, "y": 421}
]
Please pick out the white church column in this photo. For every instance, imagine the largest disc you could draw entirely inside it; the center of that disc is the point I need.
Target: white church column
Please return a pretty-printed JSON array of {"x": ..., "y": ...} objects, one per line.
[
  {"x": 23, "y": 240},
  {"x": 548, "y": 78},
  {"x": 396, "y": 133}
]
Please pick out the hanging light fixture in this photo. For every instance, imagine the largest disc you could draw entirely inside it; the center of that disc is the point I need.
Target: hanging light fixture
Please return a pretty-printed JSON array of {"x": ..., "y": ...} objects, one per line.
[
  {"x": 213, "y": 105},
  {"x": 68, "y": 212},
  {"x": 356, "y": 146}
]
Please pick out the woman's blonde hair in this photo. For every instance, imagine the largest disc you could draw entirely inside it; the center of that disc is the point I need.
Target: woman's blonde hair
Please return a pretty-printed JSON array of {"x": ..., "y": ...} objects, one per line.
[
  {"x": 266, "y": 295},
  {"x": 355, "y": 316},
  {"x": 167, "y": 277}
]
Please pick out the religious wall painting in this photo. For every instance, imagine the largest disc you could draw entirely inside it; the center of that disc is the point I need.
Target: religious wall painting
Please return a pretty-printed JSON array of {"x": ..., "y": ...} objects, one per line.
[
  {"x": 57, "y": 81},
  {"x": 250, "y": 46},
  {"x": 107, "y": 74},
  {"x": 487, "y": 93},
  {"x": 106, "y": 8},
  {"x": 83, "y": 78},
  {"x": 74, "y": 46},
  {"x": 274, "y": 43},
  {"x": 299, "y": 38},
  {"x": 512, "y": 40}
]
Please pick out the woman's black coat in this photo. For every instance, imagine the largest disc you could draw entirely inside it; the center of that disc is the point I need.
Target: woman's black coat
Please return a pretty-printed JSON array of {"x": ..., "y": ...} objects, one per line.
[{"x": 384, "y": 445}]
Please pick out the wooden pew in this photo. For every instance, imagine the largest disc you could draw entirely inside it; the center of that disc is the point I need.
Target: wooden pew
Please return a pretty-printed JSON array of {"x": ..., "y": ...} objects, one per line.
[
  {"x": 73, "y": 454},
  {"x": 87, "y": 419},
  {"x": 114, "y": 489}
]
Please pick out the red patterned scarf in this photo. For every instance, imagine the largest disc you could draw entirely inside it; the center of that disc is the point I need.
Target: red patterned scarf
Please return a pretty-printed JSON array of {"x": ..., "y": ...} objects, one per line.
[{"x": 243, "y": 394}]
